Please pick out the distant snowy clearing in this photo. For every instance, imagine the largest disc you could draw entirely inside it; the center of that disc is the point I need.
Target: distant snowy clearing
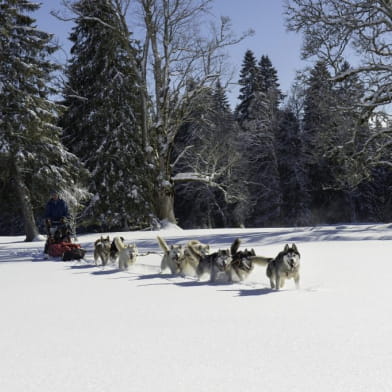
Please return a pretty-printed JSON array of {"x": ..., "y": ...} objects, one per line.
[{"x": 72, "y": 326}]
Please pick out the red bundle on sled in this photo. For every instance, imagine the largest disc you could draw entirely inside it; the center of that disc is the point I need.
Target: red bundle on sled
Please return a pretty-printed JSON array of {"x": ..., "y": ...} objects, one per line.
[
  {"x": 58, "y": 243},
  {"x": 66, "y": 250}
]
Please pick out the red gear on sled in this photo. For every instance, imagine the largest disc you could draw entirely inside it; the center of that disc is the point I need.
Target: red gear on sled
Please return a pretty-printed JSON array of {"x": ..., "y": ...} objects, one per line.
[{"x": 66, "y": 250}]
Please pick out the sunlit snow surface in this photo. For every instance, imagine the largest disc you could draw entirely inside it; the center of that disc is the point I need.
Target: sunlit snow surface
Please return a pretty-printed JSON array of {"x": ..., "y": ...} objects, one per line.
[{"x": 72, "y": 326}]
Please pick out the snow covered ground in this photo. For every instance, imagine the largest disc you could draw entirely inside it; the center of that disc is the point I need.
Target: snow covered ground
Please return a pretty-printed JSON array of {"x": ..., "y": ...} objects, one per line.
[{"x": 71, "y": 326}]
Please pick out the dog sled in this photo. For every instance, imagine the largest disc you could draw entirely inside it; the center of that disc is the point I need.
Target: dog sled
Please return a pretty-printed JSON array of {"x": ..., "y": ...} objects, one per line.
[{"x": 58, "y": 243}]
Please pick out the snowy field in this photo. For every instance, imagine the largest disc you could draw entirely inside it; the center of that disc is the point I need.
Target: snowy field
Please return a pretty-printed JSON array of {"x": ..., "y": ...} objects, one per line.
[{"x": 71, "y": 326}]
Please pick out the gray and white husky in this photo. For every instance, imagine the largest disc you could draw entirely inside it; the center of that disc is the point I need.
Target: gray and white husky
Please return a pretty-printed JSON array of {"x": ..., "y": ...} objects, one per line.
[
  {"x": 284, "y": 266},
  {"x": 172, "y": 256},
  {"x": 213, "y": 263},
  {"x": 102, "y": 250}
]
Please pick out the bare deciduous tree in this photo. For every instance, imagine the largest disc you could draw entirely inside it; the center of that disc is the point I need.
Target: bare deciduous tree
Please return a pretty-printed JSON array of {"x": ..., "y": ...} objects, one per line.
[
  {"x": 360, "y": 29},
  {"x": 186, "y": 56}
]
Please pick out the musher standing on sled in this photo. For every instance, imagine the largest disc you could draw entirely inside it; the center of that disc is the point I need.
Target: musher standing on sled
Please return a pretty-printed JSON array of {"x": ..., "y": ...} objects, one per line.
[{"x": 56, "y": 213}]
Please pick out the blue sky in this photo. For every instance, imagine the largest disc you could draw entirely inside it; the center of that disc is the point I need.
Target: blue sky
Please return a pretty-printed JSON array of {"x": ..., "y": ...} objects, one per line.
[{"x": 264, "y": 16}]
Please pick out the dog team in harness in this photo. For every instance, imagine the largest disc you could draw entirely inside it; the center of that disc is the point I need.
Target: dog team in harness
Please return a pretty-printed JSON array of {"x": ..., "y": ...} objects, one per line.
[
  {"x": 58, "y": 230},
  {"x": 235, "y": 264}
]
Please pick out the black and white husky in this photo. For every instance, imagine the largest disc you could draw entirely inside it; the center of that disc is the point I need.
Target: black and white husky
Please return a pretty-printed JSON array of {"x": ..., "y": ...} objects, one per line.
[
  {"x": 284, "y": 266},
  {"x": 243, "y": 262},
  {"x": 102, "y": 250},
  {"x": 114, "y": 251}
]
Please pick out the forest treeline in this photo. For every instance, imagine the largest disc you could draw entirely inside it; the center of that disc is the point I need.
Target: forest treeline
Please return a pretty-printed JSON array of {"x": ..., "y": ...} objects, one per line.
[{"x": 140, "y": 131}]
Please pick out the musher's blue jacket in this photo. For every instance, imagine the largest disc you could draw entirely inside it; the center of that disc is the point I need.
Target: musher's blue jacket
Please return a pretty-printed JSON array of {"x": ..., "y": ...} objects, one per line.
[{"x": 56, "y": 209}]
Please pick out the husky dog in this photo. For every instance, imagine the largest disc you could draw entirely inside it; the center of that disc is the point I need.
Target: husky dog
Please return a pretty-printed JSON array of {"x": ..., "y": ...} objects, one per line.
[
  {"x": 114, "y": 251},
  {"x": 284, "y": 266},
  {"x": 133, "y": 253},
  {"x": 126, "y": 253},
  {"x": 193, "y": 251},
  {"x": 212, "y": 263},
  {"x": 172, "y": 256},
  {"x": 243, "y": 262},
  {"x": 102, "y": 250}
]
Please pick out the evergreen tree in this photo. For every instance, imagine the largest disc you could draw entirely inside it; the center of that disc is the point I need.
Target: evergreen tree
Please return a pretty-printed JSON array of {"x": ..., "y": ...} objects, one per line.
[
  {"x": 248, "y": 83},
  {"x": 295, "y": 198},
  {"x": 373, "y": 198},
  {"x": 32, "y": 158},
  {"x": 319, "y": 124},
  {"x": 259, "y": 127},
  {"x": 267, "y": 77},
  {"x": 102, "y": 121}
]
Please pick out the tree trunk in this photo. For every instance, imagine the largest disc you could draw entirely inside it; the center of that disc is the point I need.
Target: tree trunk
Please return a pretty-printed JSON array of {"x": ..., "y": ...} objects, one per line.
[
  {"x": 164, "y": 199},
  {"x": 166, "y": 207},
  {"x": 24, "y": 198}
]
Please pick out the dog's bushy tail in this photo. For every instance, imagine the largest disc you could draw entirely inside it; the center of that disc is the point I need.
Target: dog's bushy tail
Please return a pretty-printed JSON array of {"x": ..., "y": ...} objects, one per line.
[
  {"x": 234, "y": 246},
  {"x": 118, "y": 241},
  {"x": 163, "y": 244},
  {"x": 198, "y": 248},
  {"x": 261, "y": 260},
  {"x": 193, "y": 252}
]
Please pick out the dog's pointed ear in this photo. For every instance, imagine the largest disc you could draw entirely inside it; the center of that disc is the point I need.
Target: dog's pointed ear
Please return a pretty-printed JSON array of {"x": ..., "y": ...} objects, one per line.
[
  {"x": 294, "y": 247},
  {"x": 253, "y": 252},
  {"x": 286, "y": 248}
]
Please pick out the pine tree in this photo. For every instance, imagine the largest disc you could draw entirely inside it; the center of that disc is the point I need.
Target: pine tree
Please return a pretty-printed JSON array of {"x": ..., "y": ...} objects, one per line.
[
  {"x": 32, "y": 157},
  {"x": 267, "y": 77},
  {"x": 372, "y": 198},
  {"x": 102, "y": 121},
  {"x": 248, "y": 83},
  {"x": 318, "y": 123},
  {"x": 259, "y": 127},
  {"x": 295, "y": 198}
]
